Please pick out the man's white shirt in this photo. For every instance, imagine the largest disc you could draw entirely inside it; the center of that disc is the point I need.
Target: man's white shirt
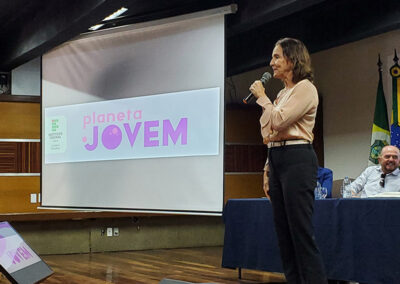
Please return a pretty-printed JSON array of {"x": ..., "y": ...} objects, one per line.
[{"x": 367, "y": 184}]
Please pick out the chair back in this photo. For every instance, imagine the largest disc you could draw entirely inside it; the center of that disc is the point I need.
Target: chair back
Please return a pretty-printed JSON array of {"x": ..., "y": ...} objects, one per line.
[{"x": 336, "y": 185}]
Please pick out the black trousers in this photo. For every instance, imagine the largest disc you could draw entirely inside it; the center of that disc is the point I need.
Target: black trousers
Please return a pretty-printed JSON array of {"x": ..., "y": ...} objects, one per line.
[{"x": 292, "y": 180}]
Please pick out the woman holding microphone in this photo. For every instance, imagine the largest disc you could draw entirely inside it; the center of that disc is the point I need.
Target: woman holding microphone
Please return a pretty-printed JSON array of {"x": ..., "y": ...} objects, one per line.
[{"x": 286, "y": 127}]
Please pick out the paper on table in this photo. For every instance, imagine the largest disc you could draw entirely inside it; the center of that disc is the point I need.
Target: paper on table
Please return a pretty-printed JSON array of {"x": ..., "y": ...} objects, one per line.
[{"x": 387, "y": 194}]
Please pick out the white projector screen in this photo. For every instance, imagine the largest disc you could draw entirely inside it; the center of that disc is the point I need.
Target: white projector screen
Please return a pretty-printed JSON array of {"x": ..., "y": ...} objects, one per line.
[{"x": 133, "y": 119}]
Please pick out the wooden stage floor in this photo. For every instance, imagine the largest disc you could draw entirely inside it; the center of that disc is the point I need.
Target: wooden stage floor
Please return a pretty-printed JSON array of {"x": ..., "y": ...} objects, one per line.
[{"x": 151, "y": 266}]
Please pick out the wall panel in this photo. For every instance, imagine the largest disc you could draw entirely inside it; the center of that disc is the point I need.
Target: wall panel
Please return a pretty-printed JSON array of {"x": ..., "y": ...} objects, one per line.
[
  {"x": 19, "y": 120},
  {"x": 19, "y": 157},
  {"x": 245, "y": 153},
  {"x": 245, "y": 158},
  {"x": 15, "y": 193},
  {"x": 249, "y": 185}
]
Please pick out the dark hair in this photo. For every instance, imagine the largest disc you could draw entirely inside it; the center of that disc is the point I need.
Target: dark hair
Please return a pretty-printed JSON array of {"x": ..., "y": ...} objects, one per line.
[{"x": 295, "y": 51}]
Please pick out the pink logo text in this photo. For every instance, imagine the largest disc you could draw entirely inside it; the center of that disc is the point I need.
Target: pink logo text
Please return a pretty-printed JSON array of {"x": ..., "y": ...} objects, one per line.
[{"x": 112, "y": 135}]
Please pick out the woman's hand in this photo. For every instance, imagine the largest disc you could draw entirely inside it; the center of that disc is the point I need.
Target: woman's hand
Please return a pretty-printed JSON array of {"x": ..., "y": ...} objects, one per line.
[
  {"x": 257, "y": 89},
  {"x": 266, "y": 180}
]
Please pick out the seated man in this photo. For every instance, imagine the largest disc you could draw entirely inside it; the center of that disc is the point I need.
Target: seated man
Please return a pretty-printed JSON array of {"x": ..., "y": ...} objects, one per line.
[{"x": 382, "y": 178}]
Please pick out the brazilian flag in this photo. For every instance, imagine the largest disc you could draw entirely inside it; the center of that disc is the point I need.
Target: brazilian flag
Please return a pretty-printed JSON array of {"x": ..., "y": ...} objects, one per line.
[
  {"x": 380, "y": 129},
  {"x": 395, "y": 127}
]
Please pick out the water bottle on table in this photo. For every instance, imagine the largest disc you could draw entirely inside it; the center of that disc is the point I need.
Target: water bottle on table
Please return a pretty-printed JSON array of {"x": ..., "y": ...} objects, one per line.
[
  {"x": 346, "y": 189},
  {"x": 317, "y": 191},
  {"x": 324, "y": 192}
]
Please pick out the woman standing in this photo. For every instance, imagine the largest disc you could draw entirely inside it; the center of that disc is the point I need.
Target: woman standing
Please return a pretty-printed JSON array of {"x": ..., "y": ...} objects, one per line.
[{"x": 286, "y": 127}]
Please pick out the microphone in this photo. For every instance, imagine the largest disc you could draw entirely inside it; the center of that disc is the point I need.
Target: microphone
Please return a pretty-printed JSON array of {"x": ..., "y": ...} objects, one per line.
[{"x": 264, "y": 79}]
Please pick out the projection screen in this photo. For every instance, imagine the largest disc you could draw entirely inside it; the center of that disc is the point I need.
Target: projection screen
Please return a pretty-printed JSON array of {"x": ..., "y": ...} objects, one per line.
[{"x": 133, "y": 118}]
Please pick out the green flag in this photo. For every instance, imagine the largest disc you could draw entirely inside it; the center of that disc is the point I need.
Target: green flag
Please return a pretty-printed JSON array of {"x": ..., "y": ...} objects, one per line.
[{"x": 380, "y": 129}]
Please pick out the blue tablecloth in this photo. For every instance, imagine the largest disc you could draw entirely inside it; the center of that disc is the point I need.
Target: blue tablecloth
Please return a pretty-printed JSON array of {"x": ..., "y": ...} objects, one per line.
[{"x": 359, "y": 239}]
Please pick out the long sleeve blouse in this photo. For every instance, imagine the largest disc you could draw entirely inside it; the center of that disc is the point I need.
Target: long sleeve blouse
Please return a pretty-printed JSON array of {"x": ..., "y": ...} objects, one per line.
[{"x": 292, "y": 115}]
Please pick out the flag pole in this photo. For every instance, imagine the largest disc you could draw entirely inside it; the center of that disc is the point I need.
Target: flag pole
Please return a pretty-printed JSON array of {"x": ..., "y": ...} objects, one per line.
[
  {"x": 395, "y": 127},
  {"x": 379, "y": 63}
]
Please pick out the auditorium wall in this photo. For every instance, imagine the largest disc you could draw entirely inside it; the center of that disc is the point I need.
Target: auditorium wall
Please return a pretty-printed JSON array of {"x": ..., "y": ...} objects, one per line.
[
  {"x": 347, "y": 78},
  {"x": 135, "y": 233}
]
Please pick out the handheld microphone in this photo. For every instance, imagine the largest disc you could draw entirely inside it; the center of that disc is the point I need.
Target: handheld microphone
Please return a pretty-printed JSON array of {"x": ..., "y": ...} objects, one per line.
[{"x": 264, "y": 79}]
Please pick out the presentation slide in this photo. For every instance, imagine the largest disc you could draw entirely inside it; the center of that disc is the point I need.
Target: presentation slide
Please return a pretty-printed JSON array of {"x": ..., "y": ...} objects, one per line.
[
  {"x": 133, "y": 119},
  {"x": 134, "y": 128}
]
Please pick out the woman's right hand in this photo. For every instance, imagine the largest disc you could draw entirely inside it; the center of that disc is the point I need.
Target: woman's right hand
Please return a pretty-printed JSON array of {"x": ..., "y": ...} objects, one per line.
[{"x": 257, "y": 89}]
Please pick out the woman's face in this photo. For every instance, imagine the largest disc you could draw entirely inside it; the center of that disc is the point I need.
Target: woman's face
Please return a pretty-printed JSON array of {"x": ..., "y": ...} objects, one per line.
[{"x": 280, "y": 64}]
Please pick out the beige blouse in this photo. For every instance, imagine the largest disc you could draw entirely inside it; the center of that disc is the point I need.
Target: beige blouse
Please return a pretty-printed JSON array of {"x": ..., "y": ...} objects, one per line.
[{"x": 292, "y": 115}]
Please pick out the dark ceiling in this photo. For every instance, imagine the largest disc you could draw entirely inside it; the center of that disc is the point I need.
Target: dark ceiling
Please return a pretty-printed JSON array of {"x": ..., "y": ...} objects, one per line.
[{"x": 32, "y": 27}]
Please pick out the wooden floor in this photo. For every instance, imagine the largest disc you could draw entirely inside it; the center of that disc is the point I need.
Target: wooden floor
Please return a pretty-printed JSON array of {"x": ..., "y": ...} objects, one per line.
[{"x": 192, "y": 264}]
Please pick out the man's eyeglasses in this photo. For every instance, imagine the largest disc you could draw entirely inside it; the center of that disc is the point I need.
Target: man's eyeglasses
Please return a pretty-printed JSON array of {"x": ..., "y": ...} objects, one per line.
[{"x": 382, "y": 181}]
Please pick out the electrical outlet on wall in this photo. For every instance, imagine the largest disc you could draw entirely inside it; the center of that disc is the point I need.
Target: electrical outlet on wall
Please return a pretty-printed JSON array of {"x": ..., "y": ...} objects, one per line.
[
  {"x": 109, "y": 232},
  {"x": 116, "y": 231},
  {"x": 33, "y": 198}
]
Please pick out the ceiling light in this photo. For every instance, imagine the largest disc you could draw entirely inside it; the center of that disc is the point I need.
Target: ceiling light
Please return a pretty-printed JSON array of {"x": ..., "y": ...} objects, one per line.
[
  {"x": 110, "y": 17},
  {"x": 95, "y": 27}
]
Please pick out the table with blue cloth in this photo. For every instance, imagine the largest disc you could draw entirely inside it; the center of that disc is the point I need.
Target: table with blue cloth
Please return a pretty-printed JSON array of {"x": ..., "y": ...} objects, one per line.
[{"x": 359, "y": 239}]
